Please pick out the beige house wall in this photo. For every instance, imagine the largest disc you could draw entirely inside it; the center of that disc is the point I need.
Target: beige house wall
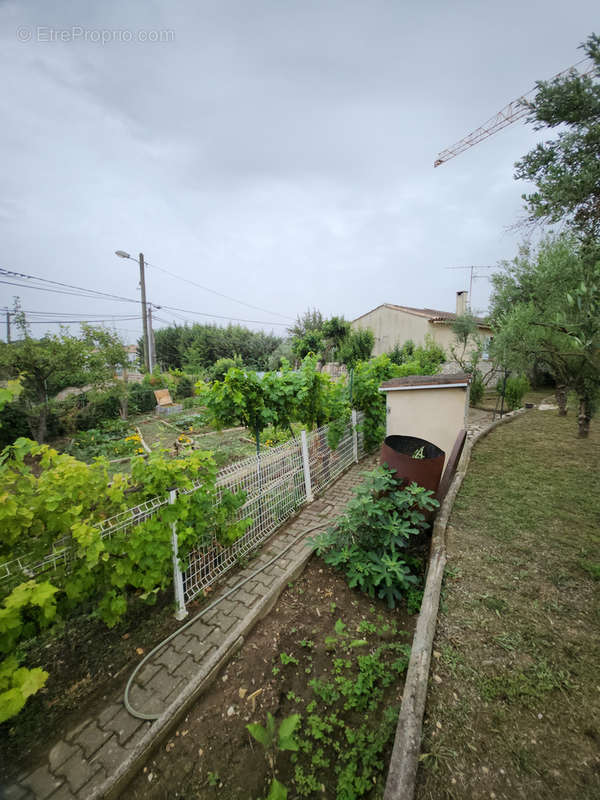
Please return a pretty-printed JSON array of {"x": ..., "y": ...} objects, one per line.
[
  {"x": 391, "y": 326},
  {"x": 436, "y": 415}
]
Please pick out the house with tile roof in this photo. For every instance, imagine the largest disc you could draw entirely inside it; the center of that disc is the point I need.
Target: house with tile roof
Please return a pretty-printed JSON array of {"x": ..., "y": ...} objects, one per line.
[{"x": 392, "y": 324}]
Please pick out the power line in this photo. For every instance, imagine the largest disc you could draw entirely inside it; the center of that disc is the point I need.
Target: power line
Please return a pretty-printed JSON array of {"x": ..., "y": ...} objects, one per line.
[
  {"x": 77, "y": 321},
  {"x": 67, "y": 313},
  {"x": 218, "y": 316},
  {"x": 219, "y": 294},
  {"x": 93, "y": 294},
  {"x": 89, "y": 292},
  {"x": 52, "y": 291}
]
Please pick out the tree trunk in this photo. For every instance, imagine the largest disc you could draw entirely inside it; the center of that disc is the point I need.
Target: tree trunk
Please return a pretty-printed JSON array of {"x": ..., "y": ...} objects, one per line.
[
  {"x": 584, "y": 417},
  {"x": 561, "y": 399},
  {"x": 124, "y": 399},
  {"x": 41, "y": 427}
]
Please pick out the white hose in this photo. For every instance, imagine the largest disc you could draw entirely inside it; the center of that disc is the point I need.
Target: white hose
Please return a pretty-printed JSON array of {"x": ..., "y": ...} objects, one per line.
[{"x": 160, "y": 645}]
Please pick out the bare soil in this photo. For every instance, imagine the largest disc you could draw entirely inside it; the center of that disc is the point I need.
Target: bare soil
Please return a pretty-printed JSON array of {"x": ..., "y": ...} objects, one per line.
[
  {"x": 211, "y": 754},
  {"x": 87, "y": 662}
]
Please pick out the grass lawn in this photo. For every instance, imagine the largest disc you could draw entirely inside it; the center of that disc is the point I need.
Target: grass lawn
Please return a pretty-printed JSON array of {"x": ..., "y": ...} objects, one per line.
[{"x": 514, "y": 700}]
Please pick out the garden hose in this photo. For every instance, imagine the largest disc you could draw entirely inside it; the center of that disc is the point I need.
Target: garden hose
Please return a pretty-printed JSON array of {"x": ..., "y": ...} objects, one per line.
[{"x": 160, "y": 645}]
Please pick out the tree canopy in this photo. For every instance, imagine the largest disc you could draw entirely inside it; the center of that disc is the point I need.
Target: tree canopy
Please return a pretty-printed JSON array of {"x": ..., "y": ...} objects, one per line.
[
  {"x": 197, "y": 347},
  {"x": 546, "y": 309},
  {"x": 56, "y": 361},
  {"x": 330, "y": 339},
  {"x": 566, "y": 169}
]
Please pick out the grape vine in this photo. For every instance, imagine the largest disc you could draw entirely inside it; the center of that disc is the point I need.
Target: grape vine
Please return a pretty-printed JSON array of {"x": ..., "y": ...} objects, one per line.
[{"x": 48, "y": 499}]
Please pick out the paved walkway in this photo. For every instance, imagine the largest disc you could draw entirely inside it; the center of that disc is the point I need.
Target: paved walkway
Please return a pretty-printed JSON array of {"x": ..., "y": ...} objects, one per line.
[{"x": 104, "y": 751}]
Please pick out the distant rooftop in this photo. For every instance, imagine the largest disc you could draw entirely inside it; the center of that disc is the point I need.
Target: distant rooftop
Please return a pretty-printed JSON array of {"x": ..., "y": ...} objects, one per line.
[{"x": 432, "y": 314}]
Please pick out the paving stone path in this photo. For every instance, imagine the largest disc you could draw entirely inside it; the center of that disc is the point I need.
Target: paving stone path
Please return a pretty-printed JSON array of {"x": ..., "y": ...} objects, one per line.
[{"x": 98, "y": 757}]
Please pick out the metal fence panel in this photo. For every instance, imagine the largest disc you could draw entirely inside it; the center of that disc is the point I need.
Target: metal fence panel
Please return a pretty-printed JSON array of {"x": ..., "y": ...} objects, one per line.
[{"x": 275, "y": 488}]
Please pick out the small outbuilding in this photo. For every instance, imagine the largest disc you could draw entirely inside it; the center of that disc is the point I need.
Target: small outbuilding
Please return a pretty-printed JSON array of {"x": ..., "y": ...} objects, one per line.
[{"x": 430, "y": 407}]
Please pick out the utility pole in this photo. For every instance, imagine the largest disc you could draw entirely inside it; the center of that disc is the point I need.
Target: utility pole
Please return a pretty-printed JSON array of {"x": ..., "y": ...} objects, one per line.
[
  {"x": 151, "y": 340},
  {"x": 151, "y": 355},
  {"x": 147, "y": 358},
  {"x": 8, "y": 325}
]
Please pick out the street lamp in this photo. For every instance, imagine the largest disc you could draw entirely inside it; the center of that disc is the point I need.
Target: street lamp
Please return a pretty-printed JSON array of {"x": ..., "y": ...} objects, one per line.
[{"x": 147, "y": 357}]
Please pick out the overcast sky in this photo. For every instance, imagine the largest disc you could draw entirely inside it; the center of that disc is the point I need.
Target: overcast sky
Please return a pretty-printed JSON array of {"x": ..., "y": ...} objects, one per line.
[{"x": 279, "y": 152}]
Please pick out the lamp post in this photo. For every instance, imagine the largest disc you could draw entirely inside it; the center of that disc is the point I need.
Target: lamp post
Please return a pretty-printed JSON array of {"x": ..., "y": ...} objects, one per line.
[{"x": 123, "y": 254}]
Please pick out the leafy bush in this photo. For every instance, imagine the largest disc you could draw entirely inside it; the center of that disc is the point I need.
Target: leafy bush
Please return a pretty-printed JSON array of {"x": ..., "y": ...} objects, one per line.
[
  {"x": 141, "y": 398},
  {"x": 369, "y": 540},
  {"x": 428, "y": 357},
  {"x": 49, "y": 497},
  {"x": 192, "y": 402},
  {"x": 516, "y": 388},
  {"x": 221, "y": 367},
  {"x": 13, "y": 423},
  {"x": 368, "y": 377},
  {"x": 476, "y": 389},
  {"x": 95, "y": 408},
  {"x": 185, "y": 387},
  {"x": 399, "y": 354},
  {"x": 357, "y": 346}
]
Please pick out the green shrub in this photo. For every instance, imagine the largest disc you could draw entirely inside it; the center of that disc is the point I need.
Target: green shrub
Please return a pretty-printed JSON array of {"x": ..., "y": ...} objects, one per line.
[
  {"x": 192, "y": 402},
  {"x": 430, "y": 357},
  {"x": 400, "y": 354},
  {"x": 427, "y": 358},
  {"x": 96, "y": 408},
  {"x": 477, "y": 389},
  {"x": 220, "y": 368},
  {"x": 516, "y": 388},
  {"x": 185, "y": 387},
  {"x": 141, "y": 398},
  {"x": 369, "y": 540},
  {"x": 13, "y": 424}
]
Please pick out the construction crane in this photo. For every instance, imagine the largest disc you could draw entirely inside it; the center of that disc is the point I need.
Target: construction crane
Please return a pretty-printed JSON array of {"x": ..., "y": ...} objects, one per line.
[{"x": 514, "y": 111}]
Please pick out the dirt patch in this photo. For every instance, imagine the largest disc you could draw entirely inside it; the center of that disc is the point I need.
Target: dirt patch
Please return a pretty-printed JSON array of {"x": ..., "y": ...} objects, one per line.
[
  {"x": 326, "y": 652},
  {"x": 86, "y": 662}
]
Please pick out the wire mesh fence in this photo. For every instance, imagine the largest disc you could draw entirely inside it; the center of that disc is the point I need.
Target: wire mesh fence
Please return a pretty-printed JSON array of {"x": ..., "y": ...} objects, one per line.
[
  {"x": 326, "y": 465},
  {"x": 276, "y": 484},
  {"x": 64, "y": 550}
]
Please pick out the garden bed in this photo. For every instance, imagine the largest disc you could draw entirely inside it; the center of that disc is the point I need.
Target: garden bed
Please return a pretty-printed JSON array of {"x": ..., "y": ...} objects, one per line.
[
  {"x": 328, "y": 653},
  {"x": 117, "y": 440},
  {"x": 85, "y": 662}
]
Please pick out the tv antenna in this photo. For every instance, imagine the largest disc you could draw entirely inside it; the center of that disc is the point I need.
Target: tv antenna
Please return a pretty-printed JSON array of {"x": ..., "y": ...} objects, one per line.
[{"x": 472, "y": 275}]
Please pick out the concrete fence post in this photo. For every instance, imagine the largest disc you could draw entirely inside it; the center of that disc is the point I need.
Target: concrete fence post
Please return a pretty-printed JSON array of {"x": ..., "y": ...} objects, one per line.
[
  {"x": 354, "y": 437},
  {"x": 180, "y": 609},
  {"x": 306, "y": 465}
]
